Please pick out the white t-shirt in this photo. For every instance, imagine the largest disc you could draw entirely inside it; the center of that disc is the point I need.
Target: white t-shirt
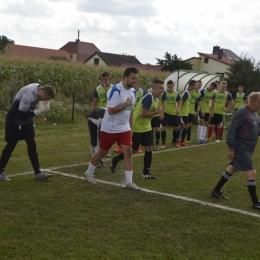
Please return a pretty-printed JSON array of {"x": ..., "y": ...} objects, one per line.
[{"x": 119, "y": 122}]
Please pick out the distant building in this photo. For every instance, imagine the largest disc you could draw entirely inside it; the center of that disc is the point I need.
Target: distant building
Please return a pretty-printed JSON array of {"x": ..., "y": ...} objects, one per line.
[
  {"x": 79, "y": 51},
  {"x": 21, "y": 51},
  {"x": 217, "y": 62},
  {"x": 99, "y": 58}
]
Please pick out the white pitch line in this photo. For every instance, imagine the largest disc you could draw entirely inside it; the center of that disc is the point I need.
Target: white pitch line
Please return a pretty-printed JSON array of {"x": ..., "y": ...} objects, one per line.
[
  {"x": 136, "y": 155},
  {"x": 168, "y": 195}
]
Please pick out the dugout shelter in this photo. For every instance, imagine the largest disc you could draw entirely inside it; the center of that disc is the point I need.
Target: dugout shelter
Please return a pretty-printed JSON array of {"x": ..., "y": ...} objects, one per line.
[{"x": 181, "y": 78}]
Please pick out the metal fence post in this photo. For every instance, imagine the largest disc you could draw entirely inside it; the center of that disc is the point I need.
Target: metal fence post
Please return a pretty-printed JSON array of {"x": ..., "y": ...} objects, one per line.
[
  {"x": 11, "y": 96},
  {"x": 73, "y": 102}
]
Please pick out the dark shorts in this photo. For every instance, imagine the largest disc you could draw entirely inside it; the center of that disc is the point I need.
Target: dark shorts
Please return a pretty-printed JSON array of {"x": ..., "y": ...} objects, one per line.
[
  {"x": 242, "y": 161},
  {"x": 145, "y": 139},
  {"x": 206, "y": 117},
  {"x": 156, "y": 122},
  {"x": 217, "y": 119},
  {"x": 14, "y": 133},
  {"x": 170, "y": 120},
  {"x": 93, "y": 133},
  {"x": 183, "y": 120},
  {"x": 191, "y": 118}
]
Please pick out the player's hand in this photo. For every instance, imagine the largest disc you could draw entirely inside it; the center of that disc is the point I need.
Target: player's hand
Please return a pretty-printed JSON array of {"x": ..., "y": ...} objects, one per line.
[
  {"x": 159, "y": 110},
  {"x": 161, "y": 116},
  {"x": 129, "y": 101},
  {"x": 43, "y": 106},
  {"x": 224, "y": 109},
  {"x": 178, "y": 111},
  {"x": 211, "y": 114},
  {"x": 202, "y": 113}
]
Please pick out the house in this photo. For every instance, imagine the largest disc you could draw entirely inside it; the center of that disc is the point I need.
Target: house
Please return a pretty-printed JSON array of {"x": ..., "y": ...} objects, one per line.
[
  {"x": 21, "y": 51},
  {"x": 146, "y": 67},
  {"x": 217, "y": 62},
  {"x": 79, "y": 51},
  {"x": 99, "y": 58}
]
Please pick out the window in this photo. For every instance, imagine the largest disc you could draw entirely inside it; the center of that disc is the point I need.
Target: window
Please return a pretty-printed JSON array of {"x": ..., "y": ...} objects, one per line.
[
  {"x": 220, "y": 73},
  {"x": 71, "y": 56},
  {"x": 96, "y": 61},
  {"x": 206, "y": 60}
]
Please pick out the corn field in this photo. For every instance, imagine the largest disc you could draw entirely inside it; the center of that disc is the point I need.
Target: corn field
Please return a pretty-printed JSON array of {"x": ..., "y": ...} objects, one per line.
[{"x": 66, "y": 77}]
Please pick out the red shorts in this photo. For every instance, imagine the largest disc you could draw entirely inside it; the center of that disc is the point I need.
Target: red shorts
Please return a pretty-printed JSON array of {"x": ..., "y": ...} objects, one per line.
[{"x": 107, "y": 139}]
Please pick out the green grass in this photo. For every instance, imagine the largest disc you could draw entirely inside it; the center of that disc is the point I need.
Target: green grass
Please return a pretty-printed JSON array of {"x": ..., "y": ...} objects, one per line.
[{"x": 66, "y": 218}]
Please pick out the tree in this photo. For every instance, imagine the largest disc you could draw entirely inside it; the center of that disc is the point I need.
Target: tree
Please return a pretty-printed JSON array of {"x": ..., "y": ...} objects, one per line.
[
  {"x": 171, "y": 63},
  {"x": 243, "y": 73},
  {"x": 3, "y": 41}
]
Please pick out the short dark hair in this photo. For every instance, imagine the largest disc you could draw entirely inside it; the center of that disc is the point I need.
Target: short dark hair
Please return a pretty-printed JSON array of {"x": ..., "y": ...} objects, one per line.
[
  {"x": 128, "y": 71},
  {"x": 214, "y": 84},
  {"x": 49, "y": 90},
  {"x": 192, "y": 82},
  {"x": 105, "y": 74},
  {"x": 170, "y": 82}
]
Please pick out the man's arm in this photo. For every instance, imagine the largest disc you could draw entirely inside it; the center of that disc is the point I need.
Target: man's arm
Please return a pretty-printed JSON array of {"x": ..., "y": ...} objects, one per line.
[
  {"x": 94, "y": 103},
  {"x": 201, "y": 108},
  {"x": 131, "y": 119},
  {"x": 117, "y": 109},
  {"x": 146, "y": 113}
]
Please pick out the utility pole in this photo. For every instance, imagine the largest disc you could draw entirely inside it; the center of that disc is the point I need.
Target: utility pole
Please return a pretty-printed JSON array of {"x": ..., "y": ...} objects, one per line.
[{"x": 78, "y": 47}]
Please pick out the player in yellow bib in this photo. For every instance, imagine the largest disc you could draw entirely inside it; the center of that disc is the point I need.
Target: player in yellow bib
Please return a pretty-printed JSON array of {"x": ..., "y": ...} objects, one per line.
[
  {"x": 206, "y": 96},
  {"x": 221, "y": 102},
  {"x": 173, "y": 107},
  {"x": 240, "y": 99},
  {"x": 100, "y": 92},
  {"x": 157, "y": 120},
  {"x": 184, "y": 114},
  {"x": 194, "y": 100}
]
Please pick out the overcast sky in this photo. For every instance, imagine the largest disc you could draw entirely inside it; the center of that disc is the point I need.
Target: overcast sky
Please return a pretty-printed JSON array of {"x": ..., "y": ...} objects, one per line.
[{"x": 146, "y": 29}]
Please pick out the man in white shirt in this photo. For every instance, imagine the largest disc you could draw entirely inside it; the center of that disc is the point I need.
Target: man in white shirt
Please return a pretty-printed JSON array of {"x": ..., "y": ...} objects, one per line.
[{"x": 117, "y": 124}]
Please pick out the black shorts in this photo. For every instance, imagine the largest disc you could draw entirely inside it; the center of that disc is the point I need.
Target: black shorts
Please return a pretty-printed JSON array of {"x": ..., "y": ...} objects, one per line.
[
  {"x": 145, "y": 139},
  {"x": 191, "y": 118},
  {"x": 170, "y": 120},
  {"x": 156, "y": 122},
  {"x": 93, "y": 133},
  {"x": 217, "y": 119},
  {"x": 242, "y": 161},
  {"x": 206, "y": 117},
  {"x": 183, "y": 120},
  {"x": 14, "y": 133}
]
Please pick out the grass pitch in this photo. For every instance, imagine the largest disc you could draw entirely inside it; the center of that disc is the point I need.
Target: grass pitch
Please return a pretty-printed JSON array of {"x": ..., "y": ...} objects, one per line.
[{"x": 173, "y": 217}]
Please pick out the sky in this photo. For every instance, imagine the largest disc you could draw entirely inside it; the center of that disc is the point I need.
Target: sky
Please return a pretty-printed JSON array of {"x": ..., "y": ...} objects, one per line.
[{"x": 146, "y": 29}]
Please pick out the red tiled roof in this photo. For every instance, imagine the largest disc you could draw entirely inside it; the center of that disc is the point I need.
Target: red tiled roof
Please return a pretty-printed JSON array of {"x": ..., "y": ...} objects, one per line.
[
  {"x": 143, "y": 67},
  {"x": 215, "y": 57},
  {"x": 80, "y": 47},
  {"x": 35, "y": 52}
]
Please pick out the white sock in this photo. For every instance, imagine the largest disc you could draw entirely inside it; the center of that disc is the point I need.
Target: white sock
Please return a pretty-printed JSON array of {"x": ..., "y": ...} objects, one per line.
[
  {"x": 90, "y": 170},
  {"x": 203, "y": 133},
  {"x": 128, "y": 176}
]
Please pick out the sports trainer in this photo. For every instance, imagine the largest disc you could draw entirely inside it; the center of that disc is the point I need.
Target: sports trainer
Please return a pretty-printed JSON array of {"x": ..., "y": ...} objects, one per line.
[{"x": 241, "y": 139}]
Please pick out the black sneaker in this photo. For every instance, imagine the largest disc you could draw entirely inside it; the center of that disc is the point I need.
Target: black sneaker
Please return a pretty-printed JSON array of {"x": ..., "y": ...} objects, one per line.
[
  {"x": 257, "y": 205},
  {"x": 218, "y": 195},
  {"x": 113, "y": 165},
  {"x": 149, "y": 176}
]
